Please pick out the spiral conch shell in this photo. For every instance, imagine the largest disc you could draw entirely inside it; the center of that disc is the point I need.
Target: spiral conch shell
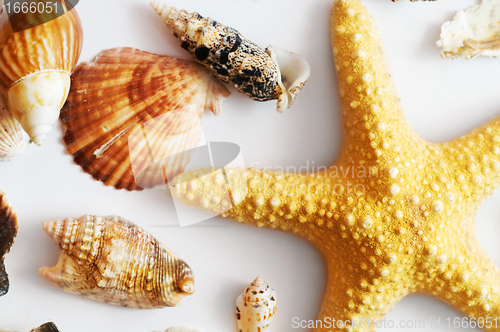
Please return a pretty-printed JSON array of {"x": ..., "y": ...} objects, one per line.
[
  {"x": 35, "y": 69},
  {"x": 255, "y": 308},
  {"x": 473, "y": 32},
  {"x": 111, "y": 260},
  {"x": 125, "y": 95},
  {"x": 260, "y": 74},
  {"x": 8, "y": 232},
  {"x": 13, "y": 139}
]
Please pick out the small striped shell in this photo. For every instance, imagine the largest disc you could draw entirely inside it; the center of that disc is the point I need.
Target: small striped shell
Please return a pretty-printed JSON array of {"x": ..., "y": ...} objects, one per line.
[
  {"x": 8, "y": 232},
  {"x": 13, "y": 139},
  {"x": 255, "y": 308},
  {"x": 133, "y": 118},
  {"x": 111, "y": 260},
  {"x": 35, "y": 69},
  {"x": 260, "y": 74}
]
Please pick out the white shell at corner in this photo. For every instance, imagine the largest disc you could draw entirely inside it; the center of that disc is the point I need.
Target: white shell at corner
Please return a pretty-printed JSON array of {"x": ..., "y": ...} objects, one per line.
[
  {"x": 255, "y": 307},
  {"x": 182, "y": 329},
  {"x": 13, "y": 139},
  {"x": 473, "y": 32},
  {"x": 294, "y": 72}
]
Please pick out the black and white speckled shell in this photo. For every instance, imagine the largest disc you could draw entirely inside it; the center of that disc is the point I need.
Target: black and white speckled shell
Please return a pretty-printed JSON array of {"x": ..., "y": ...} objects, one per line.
[{"x": 224, "y": 52}]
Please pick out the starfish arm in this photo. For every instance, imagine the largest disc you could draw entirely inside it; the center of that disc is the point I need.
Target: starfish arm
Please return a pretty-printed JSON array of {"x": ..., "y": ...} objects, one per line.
[
  {"x": 475, "y": 159},
  {"x": 469, "y": 281},
  {"x": 370, "y": 106},
  {"x": 296, "y": 203}
]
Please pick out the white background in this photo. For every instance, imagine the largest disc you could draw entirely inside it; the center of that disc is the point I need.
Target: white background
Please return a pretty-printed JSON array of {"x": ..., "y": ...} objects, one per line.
[{"x": 443, "y": 99}]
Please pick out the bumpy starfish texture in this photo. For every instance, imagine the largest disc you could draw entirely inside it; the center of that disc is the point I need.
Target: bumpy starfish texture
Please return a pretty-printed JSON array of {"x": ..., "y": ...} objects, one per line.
[{"x": 395, "y": 214}]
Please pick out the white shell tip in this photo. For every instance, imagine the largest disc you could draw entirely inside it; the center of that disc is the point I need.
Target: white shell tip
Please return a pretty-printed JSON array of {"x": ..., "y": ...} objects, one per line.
[{"x": 294, "y": 72}]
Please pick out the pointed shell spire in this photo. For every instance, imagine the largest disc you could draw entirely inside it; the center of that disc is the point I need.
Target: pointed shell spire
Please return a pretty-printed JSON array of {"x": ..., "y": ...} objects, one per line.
[
  {"x": 35, "y": 69},
  {"x": 255, "y": 307},
  {"x": 260, "y": 74}
]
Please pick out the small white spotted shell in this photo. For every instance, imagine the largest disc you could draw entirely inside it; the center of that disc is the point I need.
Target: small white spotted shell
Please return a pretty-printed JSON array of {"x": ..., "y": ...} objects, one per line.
[
  {"x": 181, "y": 329},
  {"x": 260, "y": 74},
  {"x": 255, "y": 307},
  {"x": 473, "y": 32},
  {"x": 13, "y": 139}
]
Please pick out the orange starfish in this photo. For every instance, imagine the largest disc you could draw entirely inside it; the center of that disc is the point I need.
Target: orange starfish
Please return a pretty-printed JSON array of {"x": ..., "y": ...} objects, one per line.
[{"x": 394, "y": 215}]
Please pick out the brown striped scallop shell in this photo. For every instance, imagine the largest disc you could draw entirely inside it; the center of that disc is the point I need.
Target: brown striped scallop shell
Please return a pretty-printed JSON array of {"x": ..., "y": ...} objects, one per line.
[
  {"x": 132, "y": 118},
  {"x": 35, "y": 69},
  {"x": 8, "y": 232},
  {"x": 111, "y": 260}
]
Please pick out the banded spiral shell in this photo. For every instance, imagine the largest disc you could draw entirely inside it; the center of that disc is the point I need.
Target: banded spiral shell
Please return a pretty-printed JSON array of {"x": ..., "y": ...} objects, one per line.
[
  {"x": 8, "y": 232},
  {"x": 111, "y": 260},
  {"x": 260, "y": 74},
  {"x": 125, "y": 95},
  {"x": 35, "y": 69},
  {"x": 255, "y": 308},
  {"x": 13, "y": 139}
]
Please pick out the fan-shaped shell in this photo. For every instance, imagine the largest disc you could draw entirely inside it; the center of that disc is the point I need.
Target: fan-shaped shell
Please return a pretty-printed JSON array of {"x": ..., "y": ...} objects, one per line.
[
  {"x": 8, "y": 232},
  {"x": 109, "y": 259},
  {"x": 132, "y": 117},
  {"x": 255, "y": 307},
  {"x": 13, "y": 139},
  {"x": 35, "y": 69},
  {"x": 260, "y": 74}
]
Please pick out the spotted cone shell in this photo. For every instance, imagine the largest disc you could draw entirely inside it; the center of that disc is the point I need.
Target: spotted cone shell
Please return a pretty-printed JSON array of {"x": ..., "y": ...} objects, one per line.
[
  {"x": 13, "y": 139},
  {"x": 255, "y": 307},
  {"x": 132, "y": 118},
  {"x": 111, "y": 260},
  {"x": 260, "y": 74},
  {"x": 8, "y": 231},
  {"x": 35, "y": 69}
]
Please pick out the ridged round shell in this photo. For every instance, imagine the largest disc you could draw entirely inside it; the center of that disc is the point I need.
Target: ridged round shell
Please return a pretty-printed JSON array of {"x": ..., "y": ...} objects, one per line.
[
  {"x": 132, "y": 118},
  {"x": 111, "y": 260},
  {"x": 255, "y": 307},
  {"x": 35, "y": 69},
  {"x": 8, "y": 232},
  {"x": 232, "y": 58},
  {"x": 13, "y": 139}
]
